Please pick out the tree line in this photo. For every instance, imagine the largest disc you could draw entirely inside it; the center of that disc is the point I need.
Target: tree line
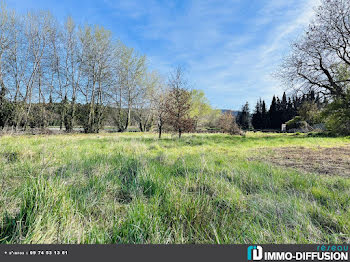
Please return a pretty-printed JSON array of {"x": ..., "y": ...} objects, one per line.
[
  {"x": 279, "y": 112},
  {"x": 51, "y": 68},
  {"x": 69, "y": 75},
  {"x": 283, "y": 110},
  {"x": 317, "y": 72},
  {"x": 72, "y": 75}
]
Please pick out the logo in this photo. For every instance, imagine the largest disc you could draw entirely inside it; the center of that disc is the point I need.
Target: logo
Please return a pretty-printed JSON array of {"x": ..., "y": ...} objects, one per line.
[
  {"x": 330, "y": 253},
  {"x": 254, "y": 253}
]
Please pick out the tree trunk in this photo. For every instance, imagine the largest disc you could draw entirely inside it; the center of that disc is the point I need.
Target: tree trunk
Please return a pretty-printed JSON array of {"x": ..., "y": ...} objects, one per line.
[
  {"x": 141, "y": 127},
  {"x": 160, "y": 131},
  {"x": 2, "y": 102},
  {"x": 128, "y": 115},
  {"x": 72, "y": 117}
]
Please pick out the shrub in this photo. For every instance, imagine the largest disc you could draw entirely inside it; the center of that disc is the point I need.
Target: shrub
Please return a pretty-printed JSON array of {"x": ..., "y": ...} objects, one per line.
[
  {"x": 227, "y": 124},
  {"x": 337, "y": 116},
  {"x": 294, "y": 123},
  {"x": 6, "y": 113},
  {"x": 298, "y": 125},
  {"x": 310, "y": 113}
]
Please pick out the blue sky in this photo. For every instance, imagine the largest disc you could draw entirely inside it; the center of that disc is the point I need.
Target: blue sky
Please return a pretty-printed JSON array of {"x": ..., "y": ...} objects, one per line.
[{"x": 230, "y": 48}]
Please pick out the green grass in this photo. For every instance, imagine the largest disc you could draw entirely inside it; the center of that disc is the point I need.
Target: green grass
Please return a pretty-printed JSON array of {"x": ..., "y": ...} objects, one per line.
[{"x": 134, "y": 188}]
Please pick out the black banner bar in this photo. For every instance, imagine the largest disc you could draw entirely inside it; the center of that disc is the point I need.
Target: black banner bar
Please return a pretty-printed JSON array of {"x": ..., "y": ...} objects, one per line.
[{"x": 154, "y": 253}]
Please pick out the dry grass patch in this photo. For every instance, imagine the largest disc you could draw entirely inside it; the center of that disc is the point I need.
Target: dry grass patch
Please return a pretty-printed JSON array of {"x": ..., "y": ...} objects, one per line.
[{"x": 321, "y": 160}]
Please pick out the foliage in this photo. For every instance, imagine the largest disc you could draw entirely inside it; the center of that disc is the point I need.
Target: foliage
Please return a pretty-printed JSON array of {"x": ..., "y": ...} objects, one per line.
[
  {"x": 308, "y": 105},
  {"x": 296, "y": 123},
  {"x": 212, "y": 120},
  {"x": 337, "y": 116},
  {"x": 227, "y": 124},
  {"x": 6, "y": 113},
  {"x": 200, "y": 108},
  {"x": 310, "y": 113},
  {"x": 178, "y": 111},
  {"x": 178, "y": 103},
  {"x": 200, "y": 105},
  {"x": 244, "y": 117}
]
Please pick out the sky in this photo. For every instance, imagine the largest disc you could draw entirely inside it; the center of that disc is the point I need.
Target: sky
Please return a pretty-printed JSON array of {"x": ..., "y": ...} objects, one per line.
[{"x": 229, "y": 48}]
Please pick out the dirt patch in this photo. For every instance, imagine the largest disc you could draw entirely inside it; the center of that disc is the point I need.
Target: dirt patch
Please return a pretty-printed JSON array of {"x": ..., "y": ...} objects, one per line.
[{"x": 328, "y": 161}]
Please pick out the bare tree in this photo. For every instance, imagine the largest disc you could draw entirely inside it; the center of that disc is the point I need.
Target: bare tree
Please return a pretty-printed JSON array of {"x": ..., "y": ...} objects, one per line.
[
  {"x": 227, "y": 124},
  {"x": 5, "y": 43},
  {"x": 72, "y": 70},
  {"x": 37, "y": 32},
  {"x": 16, "y": 65},
  {"x": 6, "y": 23},
  {"x": 179, "y": 102},
  {"x": 96, "y": 49},
  {"x": 159, "y": 102},
  {"x": 52, "y": 73},
  {"x": 316, "y": 58},
  {"x": 130, "y": 69},
  {"x": 150, "y": 97}
]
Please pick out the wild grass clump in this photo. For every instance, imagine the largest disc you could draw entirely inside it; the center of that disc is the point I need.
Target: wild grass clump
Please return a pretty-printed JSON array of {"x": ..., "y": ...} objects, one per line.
[
  {"x": 47, "y": 215},
  {"x": 132, "y": 188}
]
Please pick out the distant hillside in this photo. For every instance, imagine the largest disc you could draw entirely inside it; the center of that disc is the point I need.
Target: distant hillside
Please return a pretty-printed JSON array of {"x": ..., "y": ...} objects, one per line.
[{"x": 233, "y": 112}]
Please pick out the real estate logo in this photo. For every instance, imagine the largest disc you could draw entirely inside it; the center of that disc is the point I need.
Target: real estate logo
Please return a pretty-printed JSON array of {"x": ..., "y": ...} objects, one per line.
[
  {"x": 255, "y": 253},
  {"x": 323, "y": 253}
]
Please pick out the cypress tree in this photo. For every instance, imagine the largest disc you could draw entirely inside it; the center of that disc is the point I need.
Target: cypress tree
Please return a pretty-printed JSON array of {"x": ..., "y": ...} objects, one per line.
[
  {"x": 265, "y": 116},
  {"x": 244, "y": 117},
  {"x": 257, "y": 116},
  {"x": 273, "y": 114},
  {"x": 284, "y": 117}
]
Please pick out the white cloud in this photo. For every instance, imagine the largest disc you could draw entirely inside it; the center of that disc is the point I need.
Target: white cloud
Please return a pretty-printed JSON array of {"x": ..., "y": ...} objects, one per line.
[{"x": 231, "y": 52}]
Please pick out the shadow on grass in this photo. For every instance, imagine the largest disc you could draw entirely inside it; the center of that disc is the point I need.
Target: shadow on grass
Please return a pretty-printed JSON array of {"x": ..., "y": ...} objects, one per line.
[{"x": 14, "y": 227}]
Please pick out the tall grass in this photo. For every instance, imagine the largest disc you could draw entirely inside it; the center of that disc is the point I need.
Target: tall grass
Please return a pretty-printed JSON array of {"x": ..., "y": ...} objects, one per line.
[{"x": 132, "y": 188}]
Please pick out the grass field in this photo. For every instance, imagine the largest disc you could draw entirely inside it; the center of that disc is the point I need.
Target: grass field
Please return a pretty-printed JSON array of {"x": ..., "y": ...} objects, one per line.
[{"x": 134, "y": 188}]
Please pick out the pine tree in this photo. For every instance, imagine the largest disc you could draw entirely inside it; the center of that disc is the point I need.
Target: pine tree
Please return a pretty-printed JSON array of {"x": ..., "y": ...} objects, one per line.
[
  {"x": 257, "y": 116},
  {"x": 264, "y": 116},
  {"x": 283, "y": 109},
  {"x": 273, "y": 114},
  {"x": 244, "y": 117}
]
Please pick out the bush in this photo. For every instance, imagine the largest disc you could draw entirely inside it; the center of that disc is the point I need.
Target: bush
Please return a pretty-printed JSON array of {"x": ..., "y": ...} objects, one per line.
[
  {"x": 310, "y": 113},
  {"x": 294, "y": 123},
  {"x": 6, "y": 113},
  {"x": 227, "y": 124},
  {"x": 337, "y": 116},
  {"x": 298, "y": 125}
]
